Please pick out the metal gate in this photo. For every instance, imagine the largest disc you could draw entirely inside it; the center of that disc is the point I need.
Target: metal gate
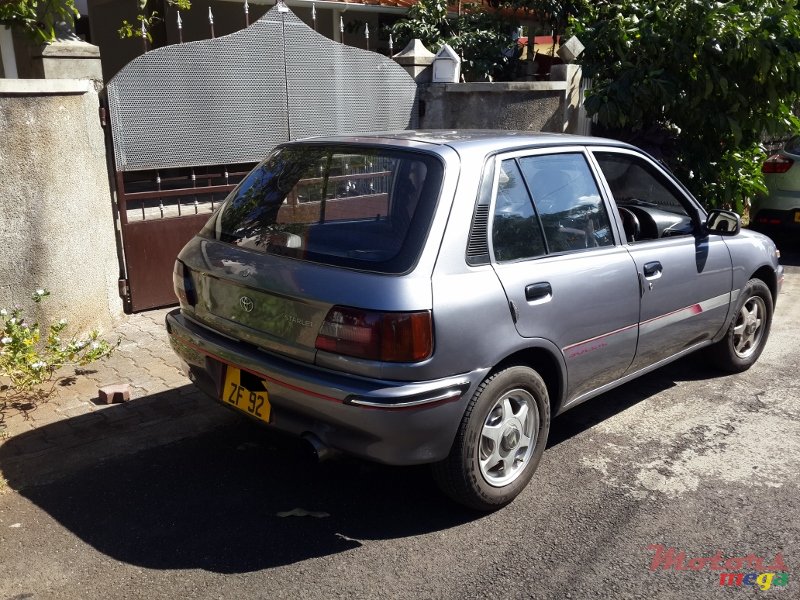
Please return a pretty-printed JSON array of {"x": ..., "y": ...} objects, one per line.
[{"x": 189, "y": 121}]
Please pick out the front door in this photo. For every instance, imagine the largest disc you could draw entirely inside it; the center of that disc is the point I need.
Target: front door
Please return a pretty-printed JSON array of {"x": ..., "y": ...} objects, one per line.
[{"x": 685, "y": 275}]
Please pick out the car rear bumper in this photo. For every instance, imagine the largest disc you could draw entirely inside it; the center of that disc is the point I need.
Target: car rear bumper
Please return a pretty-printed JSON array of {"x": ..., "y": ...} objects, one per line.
[{"x": 392, "y": 422}]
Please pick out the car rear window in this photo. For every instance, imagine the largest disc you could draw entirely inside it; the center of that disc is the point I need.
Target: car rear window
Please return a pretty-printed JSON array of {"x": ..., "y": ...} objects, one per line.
[{"x": 354, "y": 206}]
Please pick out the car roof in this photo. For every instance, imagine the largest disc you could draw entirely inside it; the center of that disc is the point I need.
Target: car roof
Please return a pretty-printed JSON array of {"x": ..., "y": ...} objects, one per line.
[{"x": 481, "y": 140}]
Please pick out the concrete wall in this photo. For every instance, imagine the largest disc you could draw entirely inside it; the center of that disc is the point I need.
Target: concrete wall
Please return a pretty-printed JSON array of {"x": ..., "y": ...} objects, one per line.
[
  {"x": 56, "y": 220},
  {"x": 529, "y": 106}
]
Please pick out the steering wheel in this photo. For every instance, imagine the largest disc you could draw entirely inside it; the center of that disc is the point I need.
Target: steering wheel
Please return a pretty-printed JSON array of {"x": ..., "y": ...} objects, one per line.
[{"x": 630, "y": 223}]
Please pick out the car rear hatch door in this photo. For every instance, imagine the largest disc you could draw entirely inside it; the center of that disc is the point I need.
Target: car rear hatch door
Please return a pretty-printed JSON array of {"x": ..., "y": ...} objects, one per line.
[
  {"x": 275, "y": 303},
  {"x": 315, "y": 225}
]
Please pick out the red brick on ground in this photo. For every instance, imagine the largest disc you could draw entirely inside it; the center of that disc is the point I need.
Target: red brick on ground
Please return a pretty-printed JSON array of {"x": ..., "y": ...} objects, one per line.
[{"x": 114, "y": 394}]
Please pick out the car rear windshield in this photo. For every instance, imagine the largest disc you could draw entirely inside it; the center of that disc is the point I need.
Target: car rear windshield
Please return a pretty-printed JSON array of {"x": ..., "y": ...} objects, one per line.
[{"x": 354, "y": 206}]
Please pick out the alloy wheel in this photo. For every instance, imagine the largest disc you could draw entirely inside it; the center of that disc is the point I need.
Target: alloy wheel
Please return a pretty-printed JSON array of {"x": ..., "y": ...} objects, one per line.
[
  {"x": 508, "y": 437},
  {"x": 749, "y": 328}
]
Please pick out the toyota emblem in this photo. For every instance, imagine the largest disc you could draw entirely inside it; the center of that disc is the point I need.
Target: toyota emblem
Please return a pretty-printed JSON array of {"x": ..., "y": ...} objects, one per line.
[{"x": 246, "y": 303}]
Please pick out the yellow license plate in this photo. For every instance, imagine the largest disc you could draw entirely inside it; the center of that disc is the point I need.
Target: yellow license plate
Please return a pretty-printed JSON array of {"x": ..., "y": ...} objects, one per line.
[
  {"x": 239, "y": 394},
  {"x": 797, "y": 217}
]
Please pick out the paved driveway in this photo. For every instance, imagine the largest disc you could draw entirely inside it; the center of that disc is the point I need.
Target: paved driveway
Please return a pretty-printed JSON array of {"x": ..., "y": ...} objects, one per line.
[{"x": 682, "y": 459}]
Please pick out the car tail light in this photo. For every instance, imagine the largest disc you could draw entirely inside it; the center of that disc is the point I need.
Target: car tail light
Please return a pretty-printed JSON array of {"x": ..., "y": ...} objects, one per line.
[
  {"x": 777, "y": 163},
  {"x": 182, "y": 282},
  {"x": 383, "y": 336}
]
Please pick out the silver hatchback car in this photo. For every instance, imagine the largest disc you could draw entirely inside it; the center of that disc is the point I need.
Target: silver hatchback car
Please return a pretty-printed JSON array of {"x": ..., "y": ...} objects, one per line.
[{"x": 438, "y": 296}]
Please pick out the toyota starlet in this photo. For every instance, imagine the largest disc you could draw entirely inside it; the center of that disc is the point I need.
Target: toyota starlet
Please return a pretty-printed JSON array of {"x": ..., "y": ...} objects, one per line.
[{"x": 439, "y": 296}]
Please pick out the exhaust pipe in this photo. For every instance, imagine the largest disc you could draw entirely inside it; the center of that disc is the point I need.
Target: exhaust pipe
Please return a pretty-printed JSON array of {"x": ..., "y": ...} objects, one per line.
[{"x": 319, "y": 449}]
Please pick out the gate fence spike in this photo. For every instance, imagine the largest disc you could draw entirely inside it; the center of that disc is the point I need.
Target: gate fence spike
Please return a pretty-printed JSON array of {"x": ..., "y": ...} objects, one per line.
[
  {"x": 211, "y": 22},
  {"x": 314, "y": 14},
  {"x": 246, "y": 14},
  {"x": 180, "y": 28}
]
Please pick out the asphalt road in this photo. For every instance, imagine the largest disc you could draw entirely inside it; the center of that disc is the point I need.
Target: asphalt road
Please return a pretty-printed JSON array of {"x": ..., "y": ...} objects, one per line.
[{"x": 684, "y": 458}]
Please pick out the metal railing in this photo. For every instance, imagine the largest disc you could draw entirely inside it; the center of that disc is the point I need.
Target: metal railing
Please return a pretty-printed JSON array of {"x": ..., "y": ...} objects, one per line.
[{"x": 170, "y": 193}]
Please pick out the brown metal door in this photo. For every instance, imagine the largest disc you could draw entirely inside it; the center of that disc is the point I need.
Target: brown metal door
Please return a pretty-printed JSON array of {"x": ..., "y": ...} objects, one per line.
[{"x": 159, "y": 213}]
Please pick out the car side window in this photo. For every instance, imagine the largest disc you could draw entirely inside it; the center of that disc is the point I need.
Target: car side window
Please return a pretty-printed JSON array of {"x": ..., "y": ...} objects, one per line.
[
  {"x": 649, "y": 205},
  {"x": 516, "y": 232},
  {"x": 568, "y": 201}
]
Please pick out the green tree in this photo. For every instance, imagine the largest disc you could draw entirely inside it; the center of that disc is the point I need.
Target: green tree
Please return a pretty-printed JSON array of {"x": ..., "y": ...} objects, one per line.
[
  {"x": 711, "y": 77},
  {"x": 149, "y": 17},
  {"x": 481, "y": 38},
  {"x": 37, "y": 18},
  {"x": 554, "y": 14}
]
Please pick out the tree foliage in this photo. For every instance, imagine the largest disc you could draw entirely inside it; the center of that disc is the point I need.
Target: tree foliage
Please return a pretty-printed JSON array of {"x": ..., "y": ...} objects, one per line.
[
  {"x": 554, "y": 14},
  {"x": 147, "y": 18},
  {"x": 37, "y": 18},
  {"x": 713, "y": 77},
  {"x": 481, "y": 38}
]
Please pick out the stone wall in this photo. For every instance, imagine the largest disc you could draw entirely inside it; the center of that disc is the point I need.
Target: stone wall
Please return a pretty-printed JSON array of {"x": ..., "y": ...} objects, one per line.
[
  {"x": 56, "y": 219},
  {"x": 529, "y": 106}
]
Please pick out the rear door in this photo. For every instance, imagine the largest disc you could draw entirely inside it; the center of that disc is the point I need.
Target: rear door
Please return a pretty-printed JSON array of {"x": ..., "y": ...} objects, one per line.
[
  {"x": 556, "y": 253},
  {"x": 685, "y": 275}
]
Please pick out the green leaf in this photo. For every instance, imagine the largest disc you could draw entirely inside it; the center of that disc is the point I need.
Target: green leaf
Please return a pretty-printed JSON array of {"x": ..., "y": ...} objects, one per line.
[{"x": 712, "y": 76}]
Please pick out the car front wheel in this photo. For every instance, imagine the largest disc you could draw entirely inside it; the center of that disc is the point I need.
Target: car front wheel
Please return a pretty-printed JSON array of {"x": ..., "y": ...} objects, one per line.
[
  {"x": 500, "y": 440},
  {"x": 748, "y": 332}
]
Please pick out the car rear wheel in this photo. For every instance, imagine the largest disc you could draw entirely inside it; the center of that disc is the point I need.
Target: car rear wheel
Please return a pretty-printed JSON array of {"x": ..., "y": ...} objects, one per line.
[
  {"x": 748, "y": 332},
  {"x": 500, "y": 440}
]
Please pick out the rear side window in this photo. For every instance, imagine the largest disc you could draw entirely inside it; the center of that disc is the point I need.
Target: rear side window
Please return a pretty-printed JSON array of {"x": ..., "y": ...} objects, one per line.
[
  {"x": 566, "y": 196},
  {"x": 353, "y": 206},
  {"x": 547, "y": 204}
]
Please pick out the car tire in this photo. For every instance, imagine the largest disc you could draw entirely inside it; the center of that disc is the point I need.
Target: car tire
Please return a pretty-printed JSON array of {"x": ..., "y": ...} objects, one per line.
[
  {"x": 500, "y": 440},
  {"x": 748, "y": 332}
]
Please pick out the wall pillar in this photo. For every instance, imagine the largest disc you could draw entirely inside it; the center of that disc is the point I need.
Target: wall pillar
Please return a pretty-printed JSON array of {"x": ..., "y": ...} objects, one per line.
[
  {"x": 57, "y": 222},
  {"x": 571, "y": 74},
  {"x": 416, "y": 59},
  {"x": 7, "y": 53},
  {"x": 68, "y": 59}
]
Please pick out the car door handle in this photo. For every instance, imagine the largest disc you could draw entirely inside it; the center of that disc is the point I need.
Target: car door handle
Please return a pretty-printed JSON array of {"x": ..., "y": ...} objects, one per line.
[
  {"x": 652, "y": 270},
  {"x": 538, "y": 291}
]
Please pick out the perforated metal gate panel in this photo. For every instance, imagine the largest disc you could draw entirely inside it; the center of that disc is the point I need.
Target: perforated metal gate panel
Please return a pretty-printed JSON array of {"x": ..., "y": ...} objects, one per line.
[
  {"x": 232, "y": 99},
  {"x": 340, "y": 89}
]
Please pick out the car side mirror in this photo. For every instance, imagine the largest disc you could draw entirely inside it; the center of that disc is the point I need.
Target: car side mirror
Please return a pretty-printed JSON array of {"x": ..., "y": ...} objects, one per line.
[{"x": 723, "y": 222}]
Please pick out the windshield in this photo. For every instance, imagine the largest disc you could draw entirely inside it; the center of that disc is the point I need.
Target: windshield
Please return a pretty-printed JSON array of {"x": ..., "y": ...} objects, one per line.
[{"x": 352, "y": 206}]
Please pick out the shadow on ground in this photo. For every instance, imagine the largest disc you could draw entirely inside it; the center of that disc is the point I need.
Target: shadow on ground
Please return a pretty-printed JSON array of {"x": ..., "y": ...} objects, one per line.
[
  {"x": 594, "y": 411},
  {"x": 211, "y": 501}
]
